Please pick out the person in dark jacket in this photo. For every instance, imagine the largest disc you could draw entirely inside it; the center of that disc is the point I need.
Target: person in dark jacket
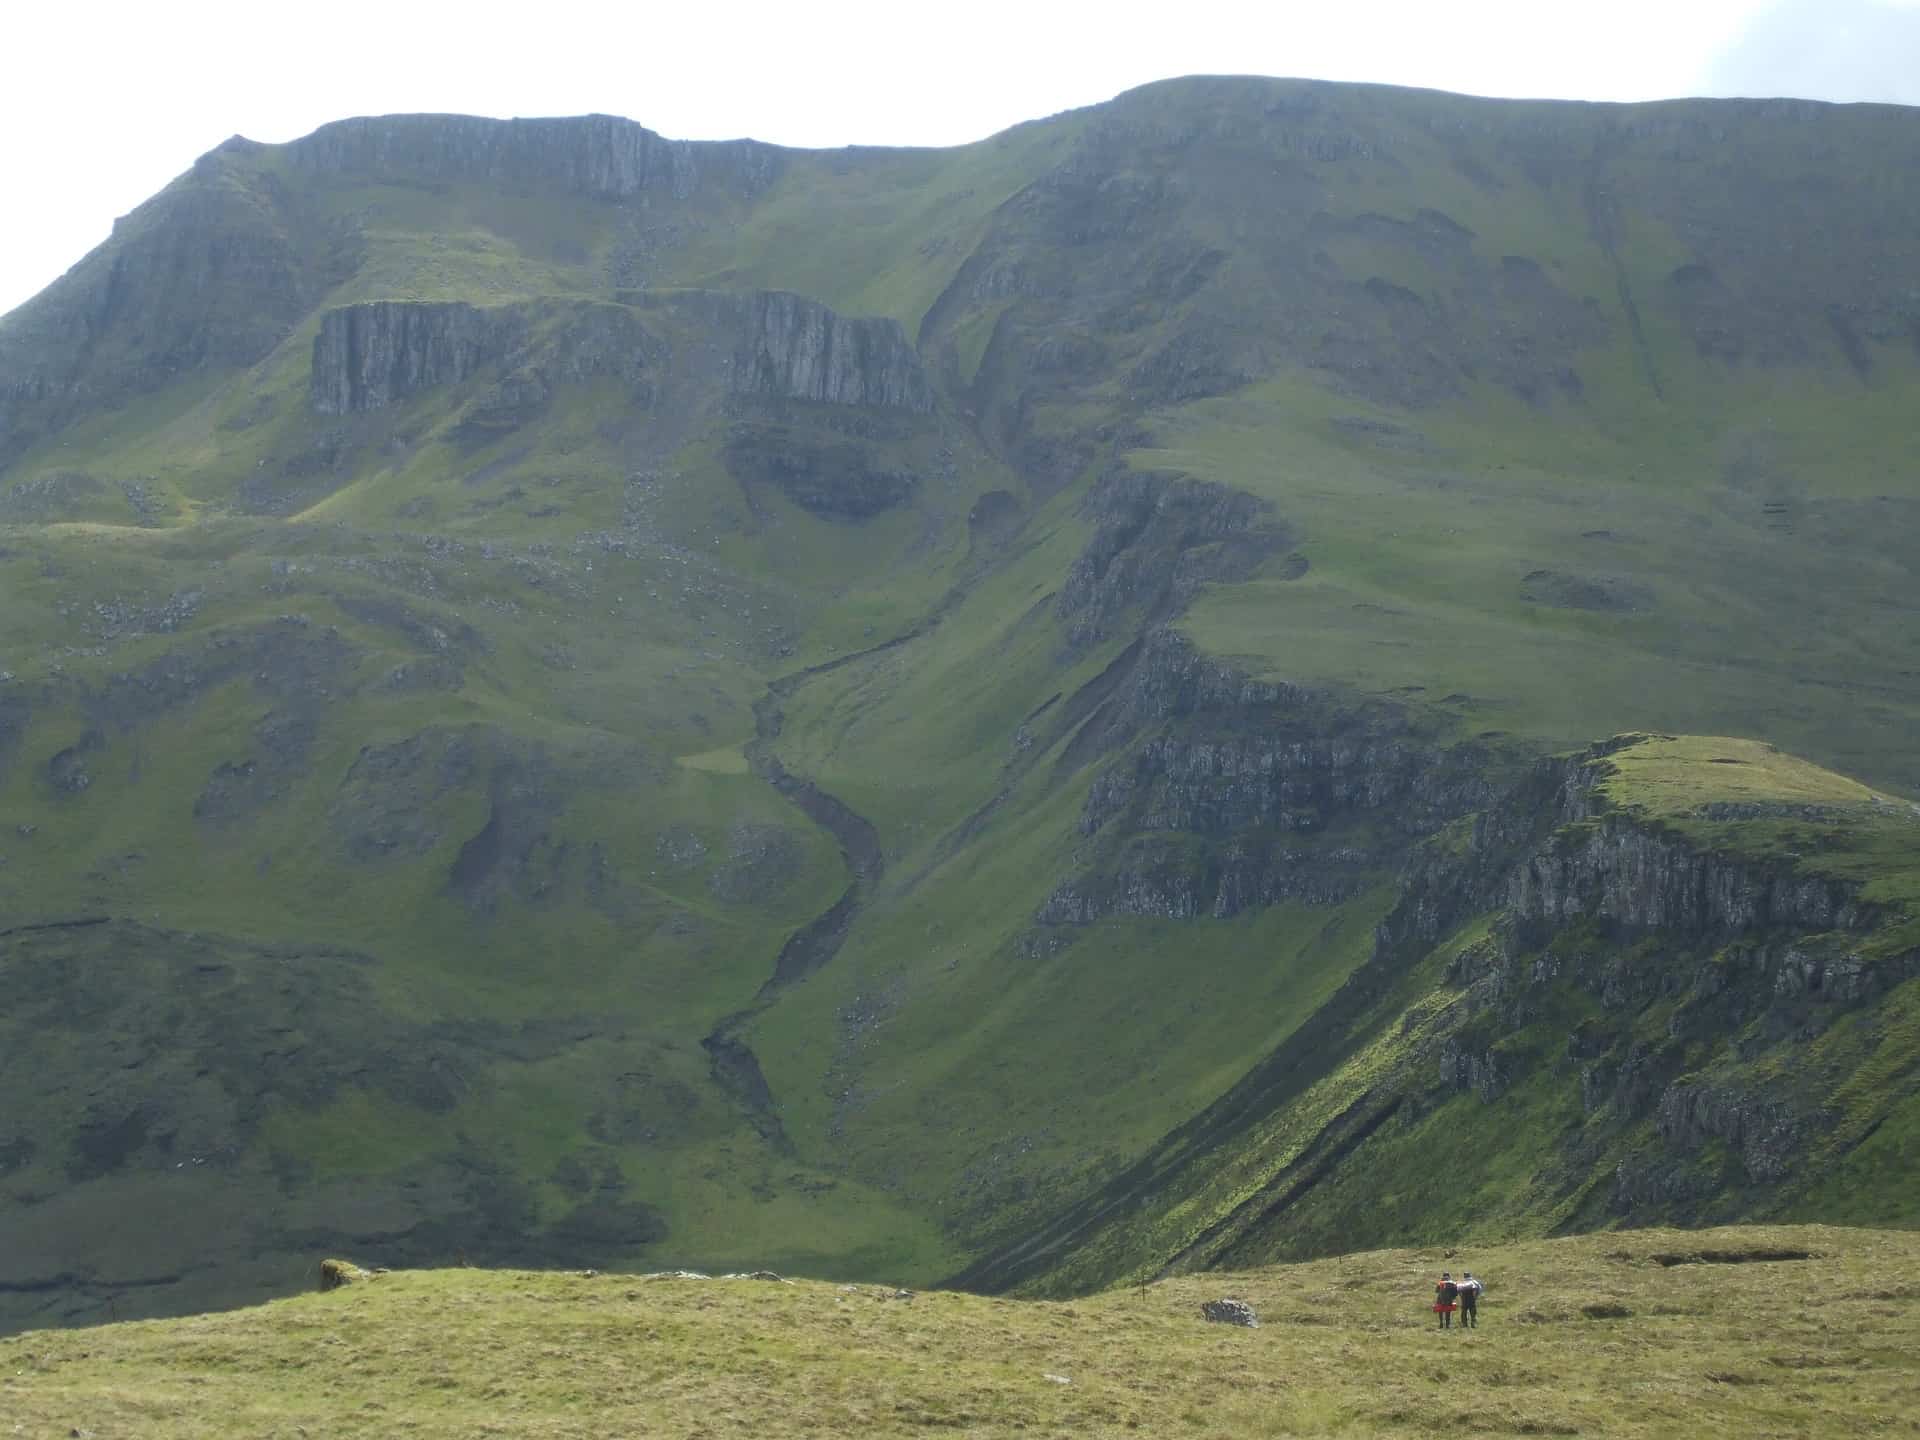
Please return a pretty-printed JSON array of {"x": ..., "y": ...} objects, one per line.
[
  {"x": 1445, "y": 1296},
  {"x": 1469, "y": 1302}
]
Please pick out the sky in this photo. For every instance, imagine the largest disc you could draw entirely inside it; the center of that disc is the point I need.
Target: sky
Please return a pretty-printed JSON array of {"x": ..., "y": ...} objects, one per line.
[{"x": 102, "y": 104}]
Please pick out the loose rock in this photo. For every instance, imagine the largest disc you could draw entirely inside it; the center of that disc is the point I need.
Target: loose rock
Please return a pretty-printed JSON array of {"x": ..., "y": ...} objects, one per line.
[{"x": 1230, "y": 1312}]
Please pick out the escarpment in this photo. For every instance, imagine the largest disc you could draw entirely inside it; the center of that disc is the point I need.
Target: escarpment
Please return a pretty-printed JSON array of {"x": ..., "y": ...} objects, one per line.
[
  {"x": 801, "y": 350},
  {"x": 1656, "y": 1026},
  {"x": 601, "y": 156},
  {"x": 1624, "y": 874},
  {"x": 782, "y": 346},
  {"x": 367, "y": 357},
  {"x": 1158, "y": 537},
  {"x": 1229, "y": 794},
  {"x": 775, "y": 347}
]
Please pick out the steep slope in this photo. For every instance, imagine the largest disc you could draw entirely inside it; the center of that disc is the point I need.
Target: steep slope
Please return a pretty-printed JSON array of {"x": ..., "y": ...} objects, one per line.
[
  {"x": 1666, "y": 980},
  {"x": 573, "y": 697}
]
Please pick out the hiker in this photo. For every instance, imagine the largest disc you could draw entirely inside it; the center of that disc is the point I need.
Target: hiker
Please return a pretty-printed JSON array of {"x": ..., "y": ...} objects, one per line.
[
  {"x": 1445, "y": 1294},
  {"x": 1470, "y": 1289}
]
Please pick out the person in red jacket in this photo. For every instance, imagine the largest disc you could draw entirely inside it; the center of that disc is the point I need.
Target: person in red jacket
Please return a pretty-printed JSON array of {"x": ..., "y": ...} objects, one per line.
[{"x": 1445, "y": 1295}]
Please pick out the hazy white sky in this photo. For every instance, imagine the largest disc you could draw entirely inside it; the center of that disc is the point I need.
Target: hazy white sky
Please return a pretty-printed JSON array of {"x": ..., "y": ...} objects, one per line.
[{"x": 101, "y": 104}]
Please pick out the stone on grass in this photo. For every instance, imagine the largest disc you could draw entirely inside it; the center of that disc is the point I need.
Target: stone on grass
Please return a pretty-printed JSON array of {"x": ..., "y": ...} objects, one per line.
[
  {"x": 1230, "y": 1312},
  {"x": 336, "y": 1273}
]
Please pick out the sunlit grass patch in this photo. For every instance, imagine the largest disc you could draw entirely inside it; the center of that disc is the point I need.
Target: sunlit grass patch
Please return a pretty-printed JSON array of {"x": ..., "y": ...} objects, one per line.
[{"x": 1594, "y": 1336}]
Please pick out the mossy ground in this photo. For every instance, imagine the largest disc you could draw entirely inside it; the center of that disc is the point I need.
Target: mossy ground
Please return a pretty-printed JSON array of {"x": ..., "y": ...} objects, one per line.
[{"x": 1593, "y": 1336}]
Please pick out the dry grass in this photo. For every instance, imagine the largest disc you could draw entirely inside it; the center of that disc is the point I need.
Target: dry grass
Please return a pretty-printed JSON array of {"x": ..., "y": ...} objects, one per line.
[{"x": 1776, "y": 1347}]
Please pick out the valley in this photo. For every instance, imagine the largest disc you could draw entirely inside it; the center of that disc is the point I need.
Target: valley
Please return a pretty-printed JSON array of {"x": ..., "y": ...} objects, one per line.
[{"x": 1067, "y": 712}]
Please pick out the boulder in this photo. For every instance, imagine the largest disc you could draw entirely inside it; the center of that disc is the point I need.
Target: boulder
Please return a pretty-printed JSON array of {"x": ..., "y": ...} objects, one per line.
[
  {"x": 334, "y": 1274},
  {"x": 1230, "y": 1312}
]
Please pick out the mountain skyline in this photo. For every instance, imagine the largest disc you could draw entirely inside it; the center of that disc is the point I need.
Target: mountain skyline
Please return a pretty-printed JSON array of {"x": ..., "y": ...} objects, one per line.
[{"x": 174, "y": 85}]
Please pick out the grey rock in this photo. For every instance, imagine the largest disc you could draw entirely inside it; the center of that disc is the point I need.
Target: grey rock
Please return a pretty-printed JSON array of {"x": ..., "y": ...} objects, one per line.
[
  {"x": 1767, "y": 1133},
  {"x": 368, "y": 356},
  {"x": 1631, "y": 875},
  {"x": 799, "y": 349},
  {"x": 781, "y": 346},
  {"x": 1157, "y": 539},
  {"x": 1230, "y": 1312},
  {"x": 601, "y": 156}
]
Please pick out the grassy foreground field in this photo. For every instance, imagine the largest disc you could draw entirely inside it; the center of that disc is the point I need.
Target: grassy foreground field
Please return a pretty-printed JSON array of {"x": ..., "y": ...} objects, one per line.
[{"x": 1642, "y": 1333}]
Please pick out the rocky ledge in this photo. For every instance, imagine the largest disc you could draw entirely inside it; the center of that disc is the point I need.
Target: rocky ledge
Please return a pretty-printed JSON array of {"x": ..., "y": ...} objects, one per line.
[{"x": 601, "y": 156}]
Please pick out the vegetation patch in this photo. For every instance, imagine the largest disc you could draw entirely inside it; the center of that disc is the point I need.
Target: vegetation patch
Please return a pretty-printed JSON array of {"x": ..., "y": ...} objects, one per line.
[{"x": 1730, "y": 1257}]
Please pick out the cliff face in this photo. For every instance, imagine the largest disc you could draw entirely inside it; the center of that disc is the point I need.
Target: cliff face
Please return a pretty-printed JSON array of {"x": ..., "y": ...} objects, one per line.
[
  {"x": 801, "y": 350},
  {"x": 1159, "y": 537},
  {"x": 1621, "y": 873},
  {"x": 1229, "y": 794},
  {"x": 600, "y": 156},
  {"x": 782, "y": 347},
  {"x": 1652, "y": 1026},
  {"x": 368, "y": 356},
  {"x": 224, "y": 264},
  {"x": 1224, "y": 793}
]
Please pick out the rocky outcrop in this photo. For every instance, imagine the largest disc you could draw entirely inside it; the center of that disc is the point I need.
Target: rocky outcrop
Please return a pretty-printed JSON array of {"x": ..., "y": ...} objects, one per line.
[
  {"x": 798, "y": 349},
  {"x": 1628, "y": 874},
  {"x": 1233, "y": 793},
  {"x": 1230, "y": 1312},
  {"x": 770, "y": 347},
  {"x": 781, "y": 346},
  {"x": 601, "y": 156},
  {"x": 1481, "y": 1071},
  {"x": 1766, "y": 1133},
  {"x": 1157, "y": 539},
  {"x": 1169, "y": 879},
  {"x": 369, "y": 356},
  {"x": 337, "y": 1274},
  {"x": 1290, "y": 774},
  {"x": 1676, "y": 990}
]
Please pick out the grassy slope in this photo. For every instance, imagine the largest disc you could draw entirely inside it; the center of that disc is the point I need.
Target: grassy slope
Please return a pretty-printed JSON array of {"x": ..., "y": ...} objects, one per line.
[
  {"x": 1822, "y": 1346},
  {"x": 1419, "y": 541},
  {"x": 1421, "y": 535}
]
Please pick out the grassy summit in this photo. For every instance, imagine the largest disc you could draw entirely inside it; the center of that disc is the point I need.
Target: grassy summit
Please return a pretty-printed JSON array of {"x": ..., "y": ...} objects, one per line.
[{"x": 1807, "y": 1331}]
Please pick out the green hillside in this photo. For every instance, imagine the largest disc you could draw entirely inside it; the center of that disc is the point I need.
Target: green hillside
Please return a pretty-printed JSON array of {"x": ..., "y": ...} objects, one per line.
[
  {"x": 1795, "y": 1330},
  {"x": 1029, "y": 714}
]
